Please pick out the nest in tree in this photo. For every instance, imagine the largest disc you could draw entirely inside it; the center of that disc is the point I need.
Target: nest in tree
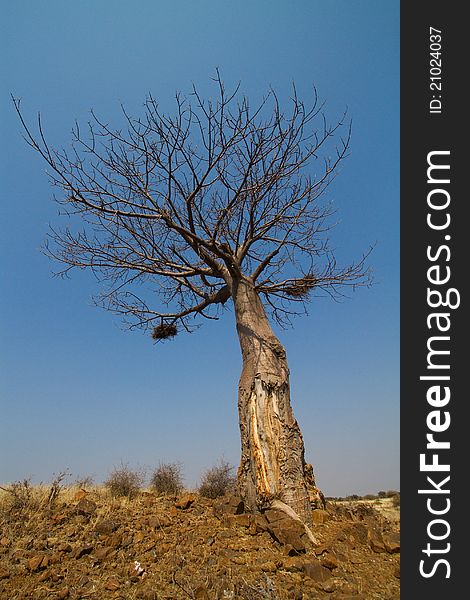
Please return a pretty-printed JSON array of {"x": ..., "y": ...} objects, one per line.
[
  {"x": 164, "y": 331},
  {"x": 301, "y": 287}
]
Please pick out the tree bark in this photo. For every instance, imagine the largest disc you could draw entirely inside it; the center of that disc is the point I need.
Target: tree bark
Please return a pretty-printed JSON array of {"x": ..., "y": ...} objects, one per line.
[{"x": 272, "y": 463}]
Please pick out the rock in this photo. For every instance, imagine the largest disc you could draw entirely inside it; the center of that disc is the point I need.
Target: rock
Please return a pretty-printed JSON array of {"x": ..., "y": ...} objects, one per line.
[
  {"x": 158, "y": 522},
  {"x": 35, "y": 562},
  {"x": 60, "y": 518},
  {"x": 316, "y": 571},
  {"x": 149, "y": 498},
  {"x": 328, "y": 586},
  {"x": 295, "y": 592},
  {"x": 320, "y": 516},
  {"x": 150, "y": 545},
  {"x": 290, "y": 550},
  {"x": 243, "y": 520},
  {"x": 162, "y": 549},
  {"x": 396, "y": 571},
  {"x": 357, "y": 533},
  {"x": 106, "y": 527},
  {"x": 86, "y": 507},
  {"x": 153, "y": 522},
  {"x": 82, "y": 519},
  {"x": 287, "y": 532},
  {"x": 103, "y": 553},
  {"x": 259, "y": 523},
  {"x": 375, "y": 539},
  {"x": 112, "y": 584},
  {"x": 139, "y": 537},
  {"x": 274, "y": 515},
  {"x": 146, "y": 595},
  {"x": 341, "y": 556},
  {"x": 52, "y": 541},
  {"x": 392, "y": 542},
  {"x": 268, "y": 567},
  {"x": 329, "y": 561},
  {"x": 230, "y": 505},
  {"x": 349, "y": 590},
  {"x": 45, "y": 561},
  {"x": 293, "y": 564},
  {"x": 82, "y": 551},
  {"x": 185, "y": 501},
  {"x": 225, "y": 534},
  {"x": 45, "y": 575},
  {"x": 201, "y": 593},
  {"x": 119, "y": 533},
  {"x": 115, "y": 541},
  {"x": 80, "y": 495}
]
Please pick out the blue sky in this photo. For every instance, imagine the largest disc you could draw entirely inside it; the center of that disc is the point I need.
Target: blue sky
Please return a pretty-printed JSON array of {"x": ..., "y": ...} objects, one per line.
[{"x": 80, "y": 393}]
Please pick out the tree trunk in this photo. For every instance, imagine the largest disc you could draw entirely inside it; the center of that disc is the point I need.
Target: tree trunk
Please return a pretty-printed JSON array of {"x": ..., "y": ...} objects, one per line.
[{"x": 272, "y": 463}]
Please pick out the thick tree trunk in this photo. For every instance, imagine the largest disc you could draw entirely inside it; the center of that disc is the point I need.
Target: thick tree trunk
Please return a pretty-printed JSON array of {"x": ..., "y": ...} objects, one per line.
[{"x": 272, "y": 463}]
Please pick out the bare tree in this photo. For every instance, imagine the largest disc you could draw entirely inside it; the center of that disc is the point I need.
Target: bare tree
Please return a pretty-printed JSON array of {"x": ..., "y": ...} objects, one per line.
[{"x": 219, "y": 201}]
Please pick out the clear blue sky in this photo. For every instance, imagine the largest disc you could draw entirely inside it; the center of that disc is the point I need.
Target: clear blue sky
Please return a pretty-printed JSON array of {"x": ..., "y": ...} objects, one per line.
[{"x": 80, "y": 393}]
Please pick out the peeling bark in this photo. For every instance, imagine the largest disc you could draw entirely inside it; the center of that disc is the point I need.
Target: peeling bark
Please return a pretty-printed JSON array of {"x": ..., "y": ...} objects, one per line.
[{"x": 272, "y": 466}]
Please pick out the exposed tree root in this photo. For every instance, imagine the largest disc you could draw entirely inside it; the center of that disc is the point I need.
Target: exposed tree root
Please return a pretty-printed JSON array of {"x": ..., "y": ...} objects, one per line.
[{"x": 278, "y": 505}]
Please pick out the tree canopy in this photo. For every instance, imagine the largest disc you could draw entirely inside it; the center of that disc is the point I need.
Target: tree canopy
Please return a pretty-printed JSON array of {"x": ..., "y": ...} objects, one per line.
[{"x": 173, "y": 208}]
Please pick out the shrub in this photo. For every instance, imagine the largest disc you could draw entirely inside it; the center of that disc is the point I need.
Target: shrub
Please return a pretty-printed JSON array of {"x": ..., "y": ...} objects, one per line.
[
  {"x": 396, "y": 499},
  {"x": 124, "y": 482},
  {"x": 217, "y": 480},
  {"x": 21, "y": 496},
  {"x": 167, "y": 479},
  {"x": 56, "y": 487},
  {"x": 84, "y": 482}
]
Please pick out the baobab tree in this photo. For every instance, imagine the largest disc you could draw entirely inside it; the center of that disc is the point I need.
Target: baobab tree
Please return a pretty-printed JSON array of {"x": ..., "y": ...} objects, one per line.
[{"x": 219, "y": 204}]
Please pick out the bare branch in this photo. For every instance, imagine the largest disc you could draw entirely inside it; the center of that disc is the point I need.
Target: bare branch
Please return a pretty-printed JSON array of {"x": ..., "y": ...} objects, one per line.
[{"x": 170, "y": 210}]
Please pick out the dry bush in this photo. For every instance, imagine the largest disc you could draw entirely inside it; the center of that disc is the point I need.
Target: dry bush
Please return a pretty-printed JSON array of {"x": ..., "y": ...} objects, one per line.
[
  {"x": 167, "y": 479},
  {"x": 23, "y": 496},
  {"x": 217, "y": 480},
  {"x": 124, "y": 482},
  {"x": 56, "y": 487},
  {"x": 20, "y": 495},
  {"x": 396, "y": 499},
  {"x": 84, "y": 482}
]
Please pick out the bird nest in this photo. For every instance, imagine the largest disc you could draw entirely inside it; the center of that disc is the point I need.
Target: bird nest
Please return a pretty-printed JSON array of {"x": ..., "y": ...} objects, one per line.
[
  {"x": 164, "y": 331},
  {"x": 300, "y": 287}
]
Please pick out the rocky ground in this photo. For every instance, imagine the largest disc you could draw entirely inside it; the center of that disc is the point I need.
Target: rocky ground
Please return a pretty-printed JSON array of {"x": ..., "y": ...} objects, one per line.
[{"x": 85, "y": 544}]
